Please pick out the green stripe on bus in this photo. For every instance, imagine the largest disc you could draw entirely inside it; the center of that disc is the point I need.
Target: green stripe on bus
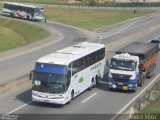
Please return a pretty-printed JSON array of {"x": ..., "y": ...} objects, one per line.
[{"x": 81, "y": 80}]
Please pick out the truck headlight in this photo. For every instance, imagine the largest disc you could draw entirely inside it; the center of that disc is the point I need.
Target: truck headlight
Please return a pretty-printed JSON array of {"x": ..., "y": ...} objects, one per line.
[
  {"x": 132, "y": 77},
  {"x": 109, "y": 75},
  {"x": 130, "y": 85}
]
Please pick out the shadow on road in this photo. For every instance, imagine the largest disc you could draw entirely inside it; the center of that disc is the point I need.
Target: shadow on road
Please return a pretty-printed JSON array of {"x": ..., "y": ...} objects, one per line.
[
  {"x": 46, "y": 105},
  {"x": 25, "y": 96}
]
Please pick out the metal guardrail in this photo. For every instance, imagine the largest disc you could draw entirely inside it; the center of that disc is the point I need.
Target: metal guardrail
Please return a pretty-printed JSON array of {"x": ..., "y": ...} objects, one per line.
[{"x": 143, "y": 99}]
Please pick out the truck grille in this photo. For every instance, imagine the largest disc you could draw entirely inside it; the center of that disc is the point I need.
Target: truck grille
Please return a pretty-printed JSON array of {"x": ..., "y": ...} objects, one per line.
[{"x": 120, "y": 77}]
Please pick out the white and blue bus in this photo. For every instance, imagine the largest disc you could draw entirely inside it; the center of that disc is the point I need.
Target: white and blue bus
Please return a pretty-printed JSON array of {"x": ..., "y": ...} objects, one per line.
[
  {"x": 29, "y": 12},
  {"x": 60, "y": 76}
]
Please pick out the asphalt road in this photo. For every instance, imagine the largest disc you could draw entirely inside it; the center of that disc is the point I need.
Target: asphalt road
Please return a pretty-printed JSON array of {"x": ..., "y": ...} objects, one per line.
[{"x": 100, "y": 100}]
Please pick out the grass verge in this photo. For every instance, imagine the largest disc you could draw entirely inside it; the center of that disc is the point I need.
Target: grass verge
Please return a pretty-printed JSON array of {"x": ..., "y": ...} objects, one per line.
[
  {"x": 91, "y": 18},
  {"x": 153, "y": 108},
  {"x": 14, "y": 34}
]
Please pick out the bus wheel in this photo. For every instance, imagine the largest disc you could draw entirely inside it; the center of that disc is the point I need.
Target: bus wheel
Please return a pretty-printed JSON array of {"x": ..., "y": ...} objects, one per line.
[
  {"x": 28, "y": 18},
  {"x": 95, "y": 83},
  {"x": 11, "y": 14},
  {"x": 71, "y": 97},
  {"x": 97, "y": 79}
]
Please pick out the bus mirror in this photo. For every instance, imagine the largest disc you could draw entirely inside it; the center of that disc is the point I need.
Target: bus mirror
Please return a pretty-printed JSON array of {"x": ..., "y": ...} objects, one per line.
[{"x": 31, "y": 75}]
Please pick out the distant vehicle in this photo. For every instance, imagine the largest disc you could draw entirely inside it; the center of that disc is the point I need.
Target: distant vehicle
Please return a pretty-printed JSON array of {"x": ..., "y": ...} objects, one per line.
[
  {"x": 131, "y": 65},
  {"x": 29, "y": 12},
  {"x": 64, "y": 74},
  {"x": 156, "y": 40}
]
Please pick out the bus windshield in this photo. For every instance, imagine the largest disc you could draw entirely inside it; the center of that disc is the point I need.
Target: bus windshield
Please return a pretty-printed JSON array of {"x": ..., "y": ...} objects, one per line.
[
  {"x": 49, "y": 78},
  {"x": 122, "y": 64},
  {"x": 38, "y": 12},
  {"x": 49, "y": 82}
]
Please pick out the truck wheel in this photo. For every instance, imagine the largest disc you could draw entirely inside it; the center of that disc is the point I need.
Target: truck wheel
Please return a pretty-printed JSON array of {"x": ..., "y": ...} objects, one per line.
[
  {"x": 154, "y": 69},
  {"x": 150, "y": 73},
  {"x": 141, "y": 80}
]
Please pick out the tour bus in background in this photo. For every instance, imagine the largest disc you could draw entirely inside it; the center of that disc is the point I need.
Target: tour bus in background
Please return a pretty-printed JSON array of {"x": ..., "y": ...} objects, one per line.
[
  {"x": 64, "y": 74},
  {"x": 29, "y": 12}
]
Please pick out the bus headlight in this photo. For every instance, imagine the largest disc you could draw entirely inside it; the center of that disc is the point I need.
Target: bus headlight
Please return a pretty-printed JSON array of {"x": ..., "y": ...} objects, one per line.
[{"x": 60, "y": 97}]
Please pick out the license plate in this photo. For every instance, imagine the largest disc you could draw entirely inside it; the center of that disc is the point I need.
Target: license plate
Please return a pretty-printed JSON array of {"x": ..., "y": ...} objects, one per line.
[
  {"x": 125, "y": 88},
  {"x": 120, "y": 83}
]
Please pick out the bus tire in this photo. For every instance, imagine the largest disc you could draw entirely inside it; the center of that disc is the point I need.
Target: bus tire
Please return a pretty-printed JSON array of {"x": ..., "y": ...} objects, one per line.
[
  {"x": 28, "y": 18},
  {"x": 11, "y": 14},
  {"x": 97, "y": 79},
  {"x": 71, "y": 97}
]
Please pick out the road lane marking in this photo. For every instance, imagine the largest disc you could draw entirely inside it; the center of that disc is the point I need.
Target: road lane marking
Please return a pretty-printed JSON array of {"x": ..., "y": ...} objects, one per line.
[
  {"x": 20, "y": 107},
  {"x": 126, "y": 27},
  {"x": 24, "y": 105},
  {"x": 115, "y": 33},
  {"x": 89, "y": 97},
  {"x": 125, "y": 107}
]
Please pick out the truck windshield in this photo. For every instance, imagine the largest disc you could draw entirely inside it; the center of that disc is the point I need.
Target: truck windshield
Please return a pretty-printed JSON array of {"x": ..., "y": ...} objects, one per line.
[
  {"x": 122, "y": 64},
  {"x": 51, "y": 83}
]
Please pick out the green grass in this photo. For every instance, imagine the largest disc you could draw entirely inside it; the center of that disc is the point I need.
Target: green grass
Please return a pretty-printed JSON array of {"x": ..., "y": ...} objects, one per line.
[
  {"x": 153, "y": 108},
  {"x": 14, "y": 34},
  {"x": 91, "y": 18}
]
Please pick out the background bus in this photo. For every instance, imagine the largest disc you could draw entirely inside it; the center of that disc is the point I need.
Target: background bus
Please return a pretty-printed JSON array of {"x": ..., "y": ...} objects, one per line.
[
  {"x": 29, "y": 12},
  {"x": 59, "y": 77}
]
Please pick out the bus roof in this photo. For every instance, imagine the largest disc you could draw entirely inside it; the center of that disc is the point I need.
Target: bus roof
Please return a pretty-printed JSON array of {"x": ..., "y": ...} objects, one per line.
[
  {"x": 69, "y": 54},
  {"x": 21, "y": 4}
]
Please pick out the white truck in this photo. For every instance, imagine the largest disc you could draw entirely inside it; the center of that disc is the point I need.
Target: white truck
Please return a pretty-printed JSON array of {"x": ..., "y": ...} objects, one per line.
[{"x": 131, "y": 65}]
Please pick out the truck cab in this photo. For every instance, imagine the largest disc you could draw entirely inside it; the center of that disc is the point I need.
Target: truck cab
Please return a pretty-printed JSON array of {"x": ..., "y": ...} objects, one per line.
[{"x": 123, "y": 72}]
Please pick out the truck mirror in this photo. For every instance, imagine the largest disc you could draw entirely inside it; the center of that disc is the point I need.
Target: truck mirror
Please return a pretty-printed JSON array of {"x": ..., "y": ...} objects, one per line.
[
  {"x": 31, "y": 75},
  {"x": 140, "y": 66},
  {"x": 107, "y": 63}
]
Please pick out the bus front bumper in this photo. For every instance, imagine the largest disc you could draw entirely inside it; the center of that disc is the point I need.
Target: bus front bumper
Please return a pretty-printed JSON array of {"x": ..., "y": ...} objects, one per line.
[{"x": 48, "y": 98}]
